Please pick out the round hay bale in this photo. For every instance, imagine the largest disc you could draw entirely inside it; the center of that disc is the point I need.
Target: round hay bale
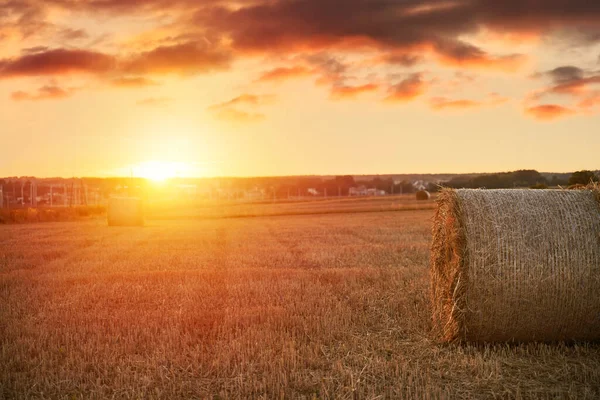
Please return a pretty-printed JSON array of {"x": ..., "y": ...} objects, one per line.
[
  {"x": 516, "y": 265},
  {"x": 423, "y": 195}
]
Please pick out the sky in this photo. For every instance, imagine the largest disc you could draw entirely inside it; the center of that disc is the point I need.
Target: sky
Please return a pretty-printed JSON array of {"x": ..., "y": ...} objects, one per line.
[{"x": 297, "y": 87}]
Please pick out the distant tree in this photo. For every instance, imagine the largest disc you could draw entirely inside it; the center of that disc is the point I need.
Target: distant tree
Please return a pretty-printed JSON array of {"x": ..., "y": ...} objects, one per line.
[
  {"x": 539, "y": 186},
  {"x": 526, "y": 177},
  {"x": 582, "y": 178},
  {"x": 559, "y": 180},
  {"x": 345, "y": 181},
  {"x": 432, "y": 187},
  {"x": 404, "y": 187},
  {"x": 492, "y": 181}
]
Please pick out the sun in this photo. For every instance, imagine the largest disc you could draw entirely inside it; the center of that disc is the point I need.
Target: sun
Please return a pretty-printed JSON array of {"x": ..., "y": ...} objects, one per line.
[{"x": 159, "y": 170}]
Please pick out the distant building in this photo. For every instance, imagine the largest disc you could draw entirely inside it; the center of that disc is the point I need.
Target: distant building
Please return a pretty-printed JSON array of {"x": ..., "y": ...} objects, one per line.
[
  {"x": 358, "y": 191},
  {"x": 254, "y": 194},
  {"x": 375, "y": 192},
  {"x": 420, "y": 185},
  {"x": 313, "y": 191},
  {"x": 363, "y": 191}
]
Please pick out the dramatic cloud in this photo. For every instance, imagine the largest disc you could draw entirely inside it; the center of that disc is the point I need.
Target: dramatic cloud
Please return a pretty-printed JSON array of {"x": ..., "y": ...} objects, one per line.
[
  {"x": 283, "y": 73},
  {"x": 408, "y": 89},
  {"x": 184, "y": 59},
  {"x": 547, "y": 112},
  {"x": 43, "y": 93},
  {"x": 565, "y": 74},
  {"x": 56, "y": 62},
  {"x": 23, "y": 18},
  {"x": 301, "y": 25},
  {"x": 567, "y": 81},
  {"x": 399, "y": 58},
  {"x": 323, "y": 38},
  {"x": 330, "y": 69},
  {"x": 347, "y": 92},
  {"x": 461, "y": 54},
  {"x": 73, "y": 34}
]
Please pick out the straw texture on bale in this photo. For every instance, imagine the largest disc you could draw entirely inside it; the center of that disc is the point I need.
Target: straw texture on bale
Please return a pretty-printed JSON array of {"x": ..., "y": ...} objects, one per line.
[
  {"x": 516, "y": 265},
  {"x": 125, "y": 211},
  {"x": 423, "y": 195}
]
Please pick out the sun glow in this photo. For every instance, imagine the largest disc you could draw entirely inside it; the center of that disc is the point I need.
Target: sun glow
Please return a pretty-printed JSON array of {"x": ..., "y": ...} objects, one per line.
[{"x": 160, "y": 170}]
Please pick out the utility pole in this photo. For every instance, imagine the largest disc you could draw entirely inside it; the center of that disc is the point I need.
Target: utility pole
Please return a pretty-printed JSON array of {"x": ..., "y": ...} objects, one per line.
[
  {"x": 33, "y": 189},
  {"x": 72, "y": 192},
  {"x": 84, "y": 190},
  {"x": 51, "y": 187},
  {"x": 22, "y": 194}
]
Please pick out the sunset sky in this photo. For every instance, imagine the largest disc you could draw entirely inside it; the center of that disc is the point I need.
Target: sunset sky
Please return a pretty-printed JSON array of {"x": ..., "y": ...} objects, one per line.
[{"x": 293, "y": 87}]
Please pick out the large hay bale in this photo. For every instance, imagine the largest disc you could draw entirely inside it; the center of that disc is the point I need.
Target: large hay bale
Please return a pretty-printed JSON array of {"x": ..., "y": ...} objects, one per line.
[
  {"x": 516, "y": 265},
  {"x": 125, "y": 211},
  {"x": 423, "y": 195}
]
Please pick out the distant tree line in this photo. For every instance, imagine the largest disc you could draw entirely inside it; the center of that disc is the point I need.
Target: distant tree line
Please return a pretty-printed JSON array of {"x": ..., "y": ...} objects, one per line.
[{"x": 522, "y": 178}]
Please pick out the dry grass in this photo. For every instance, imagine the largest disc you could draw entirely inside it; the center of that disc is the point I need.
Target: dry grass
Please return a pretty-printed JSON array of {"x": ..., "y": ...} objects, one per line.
[
  {"x": 235, "y": 209},
  {"x": 327, "y": 306},
  {"x": 29, "y": 215}
]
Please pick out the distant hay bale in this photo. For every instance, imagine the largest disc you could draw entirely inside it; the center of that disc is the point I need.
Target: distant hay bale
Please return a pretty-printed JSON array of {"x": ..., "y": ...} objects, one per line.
[
  {"x": 125, "y": 211},
  {"x": 423, "y": 195},
  {"x": 516, "y": 265}
]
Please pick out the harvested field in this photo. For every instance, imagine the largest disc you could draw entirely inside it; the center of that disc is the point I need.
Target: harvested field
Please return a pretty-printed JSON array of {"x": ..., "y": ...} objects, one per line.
[
  {"x": 327, "y": 306},
  {"x": 332, "y": 205}
]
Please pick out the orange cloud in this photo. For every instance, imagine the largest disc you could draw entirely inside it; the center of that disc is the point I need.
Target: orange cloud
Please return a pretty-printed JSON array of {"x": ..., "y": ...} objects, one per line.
[
  {"x": 184, "y": 59},
  {"x": 133, "y": 82},
  {"x": 571, "y": 81},
  {"x": 464, "y": 55},
  {"x": 56, "y": 62},
  {"x": 408, "y": 89},
  {"x": 590, "y": 101},
  {"x": 575, "y": 86},
  {"x": 245, "y": 98},
  {"x": 43, "y": 93},
  {"x": 234, "y": 115},
  {"x": 154, "y": 101},
  {"x": 283, "y": 73},
  {"x": 547, "y": 112},
  {"x": 229, "y": 110},
  {"x": 347, "y": 92},
  {"x": 442, "y": 103}
]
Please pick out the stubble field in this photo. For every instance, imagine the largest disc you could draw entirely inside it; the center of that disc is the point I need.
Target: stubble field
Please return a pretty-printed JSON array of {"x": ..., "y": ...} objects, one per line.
[{"x": 332, "y": 305}]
